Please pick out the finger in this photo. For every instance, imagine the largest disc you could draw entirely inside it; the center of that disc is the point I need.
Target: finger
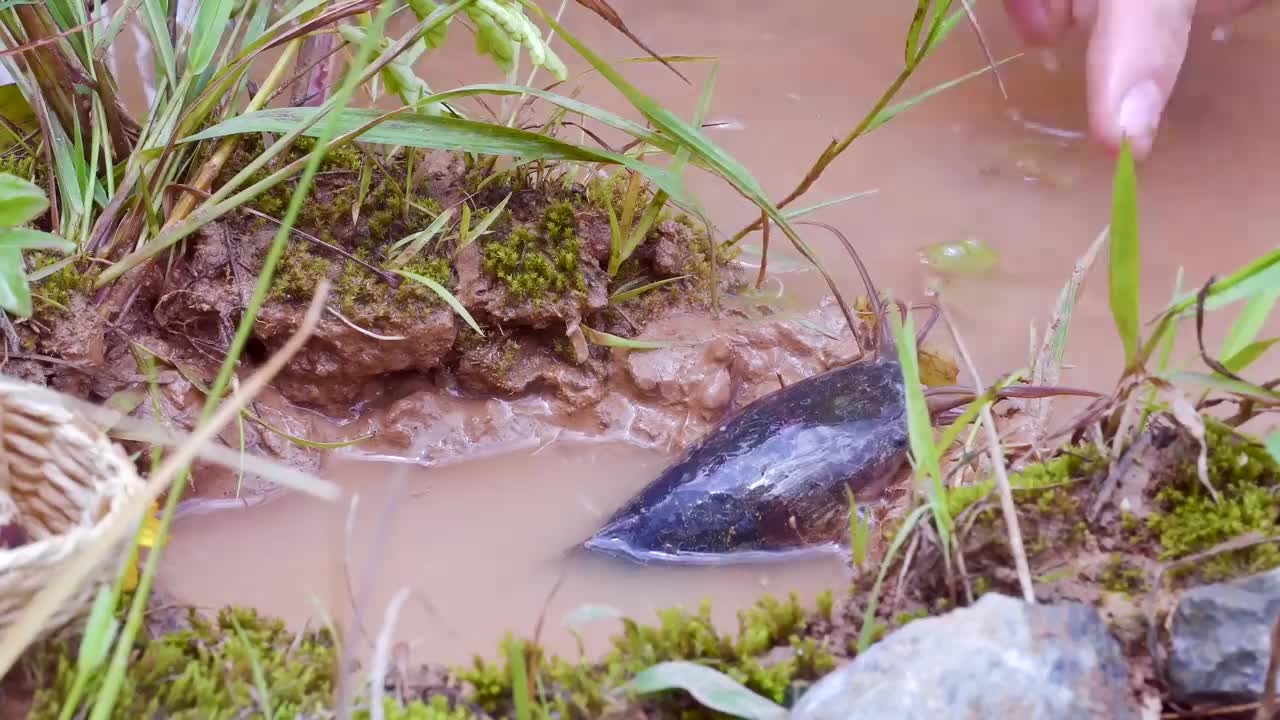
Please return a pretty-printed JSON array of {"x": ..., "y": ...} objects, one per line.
[
  {"x": 1040, "y": 22},
  {"x": 1136, "y": 50}
]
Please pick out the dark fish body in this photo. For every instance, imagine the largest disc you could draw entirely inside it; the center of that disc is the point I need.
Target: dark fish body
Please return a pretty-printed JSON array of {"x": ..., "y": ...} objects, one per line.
[{"x": 773, "y": 478}]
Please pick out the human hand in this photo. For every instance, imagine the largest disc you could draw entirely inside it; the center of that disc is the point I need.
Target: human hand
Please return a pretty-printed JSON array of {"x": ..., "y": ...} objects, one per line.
[{"x": 1136, "y": 48}]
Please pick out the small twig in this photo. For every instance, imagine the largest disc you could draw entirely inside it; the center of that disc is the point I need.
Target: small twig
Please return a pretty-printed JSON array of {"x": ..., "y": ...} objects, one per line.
[
  {"x": 764, "y": 248},
  {"x": 997, "y": 463},
  {"x": 361, "y": 330}
]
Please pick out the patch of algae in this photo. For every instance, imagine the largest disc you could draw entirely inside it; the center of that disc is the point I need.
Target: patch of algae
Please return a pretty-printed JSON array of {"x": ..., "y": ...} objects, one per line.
[
  {"x": 535, "y": 264},
  {"x": 208, "y": 672},
  {"x": 1189, "y": 520}
]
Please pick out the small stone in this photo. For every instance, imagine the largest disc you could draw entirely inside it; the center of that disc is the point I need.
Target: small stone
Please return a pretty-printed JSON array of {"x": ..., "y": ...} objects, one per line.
[
  {"x": 1220, "y": 638},
  {"x": 999, "y": 658}
]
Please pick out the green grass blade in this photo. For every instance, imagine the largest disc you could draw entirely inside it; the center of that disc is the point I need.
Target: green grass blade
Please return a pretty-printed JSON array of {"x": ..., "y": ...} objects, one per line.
[
  {"x": 210, "y": 25},
  {"x": 519, "y": 679},
  {"x": 153, "y": 19},
  {"x": 418, "y": 240},
  {"x": 598, "y": 337},
  {"x": 891, "y": 111},
  {"x": 924, "y": 450},
  {"x": 710, "y": 687},
  {"x": 1248, "y": 354},
  {"x": 793, "y": 213},
  {"x": 1249, "y": 322},
  {"x": 445, "y": 295},
  {"x": 615, "y": 238},
  {"x": 441, "y": 133},
  {"x": 873, "y": 599},
  {"x": 1224, "y": 384},
  {"x": 914, "y": 30},
  {"x": 952, "y": 431},
  {"x": 304, "y": 442},
  {"x": 484, "y": 224},
  {"x": 1123, "y": 265},
  {"x": 624, "y": 295}
]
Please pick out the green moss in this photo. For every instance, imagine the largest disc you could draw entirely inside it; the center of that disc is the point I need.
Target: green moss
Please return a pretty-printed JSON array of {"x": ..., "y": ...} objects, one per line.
[
  {"x": 298, "y": 273},
  {"x": 1189, "y": 520},
  {"x": 1042, "y": 476},
  {"x": 208, "y": 673},
  {"x": 209, "y": 670},
  {"x": 53, "y": 293},
  {"x": 826, "y": 603},
  {"x": 908, "y": 616},
  {"x": 679, "y": 635},
  {"x": 1121, "y": 576},
  {"x": 534, "y": 265},
  {"x": 19, "y": 163}
]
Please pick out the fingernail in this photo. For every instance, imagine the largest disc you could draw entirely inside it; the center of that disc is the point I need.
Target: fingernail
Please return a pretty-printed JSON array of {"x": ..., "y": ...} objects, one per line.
[{"x": 1140, "y": 115}]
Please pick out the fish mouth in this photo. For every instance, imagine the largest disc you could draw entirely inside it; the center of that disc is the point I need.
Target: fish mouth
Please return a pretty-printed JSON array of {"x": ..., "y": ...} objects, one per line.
[{"x": 621, "y": 549}]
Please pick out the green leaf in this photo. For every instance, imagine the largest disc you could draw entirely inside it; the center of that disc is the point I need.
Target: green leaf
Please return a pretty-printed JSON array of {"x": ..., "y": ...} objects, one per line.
[
  {"x": 709, "y": 687},
  {"x": 793, "y": 213},
  {"x": 603, "y": 338},
  {"x": 1124, "y": 253},
  {"x": 891, "y": 111},
  {"x": 210, "y": 25},
  {"x": 15, "y": 294},
  {"x": 966, "y": 257},
  {"x": 1249, "y": 322},
  {"x": 1248, "y": 354},
  {"x": 417, "y": 240},
  {"x": 99, "y": 632},
  {"x": 28, "y": 239},
  {"x": 445, "y": 295},
  {"x": 484, "y": 224},
  {"x": 916, "y": 27},
  {"x": 1225, "y": 384},
  {"x": 21, "y": 201},
  {"x": 1273, "y": 445},
  {"x": 440, "y": 133}
]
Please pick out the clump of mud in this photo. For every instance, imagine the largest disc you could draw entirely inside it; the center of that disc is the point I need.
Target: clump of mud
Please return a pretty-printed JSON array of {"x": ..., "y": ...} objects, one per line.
[{"x": 532, "y": 280}]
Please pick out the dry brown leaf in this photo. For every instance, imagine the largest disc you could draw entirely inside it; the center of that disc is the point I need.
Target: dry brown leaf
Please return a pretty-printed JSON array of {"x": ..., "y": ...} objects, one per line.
[
  {"x": 937, "y": 368},
  {"x": 1185, "y": 413},
  {"x": 611, "y": 16}
]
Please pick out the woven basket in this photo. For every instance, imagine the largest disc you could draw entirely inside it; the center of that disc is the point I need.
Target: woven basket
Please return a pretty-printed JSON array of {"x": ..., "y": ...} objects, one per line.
[{"x": 62, "y": 481}]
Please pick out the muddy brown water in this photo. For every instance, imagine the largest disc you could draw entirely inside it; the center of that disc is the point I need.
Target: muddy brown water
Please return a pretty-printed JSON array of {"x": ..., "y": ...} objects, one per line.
[{"x": 479, "y": 542}]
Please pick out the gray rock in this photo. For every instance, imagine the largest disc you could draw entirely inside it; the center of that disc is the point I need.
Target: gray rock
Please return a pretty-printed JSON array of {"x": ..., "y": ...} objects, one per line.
[
  {"x": 1220, "y": 639},
  {"x": 999, "y": 658}
]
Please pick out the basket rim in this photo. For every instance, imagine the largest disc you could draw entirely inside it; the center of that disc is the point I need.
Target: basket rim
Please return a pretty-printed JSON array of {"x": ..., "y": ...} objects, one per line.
[{"x": 121, "y": 487}]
